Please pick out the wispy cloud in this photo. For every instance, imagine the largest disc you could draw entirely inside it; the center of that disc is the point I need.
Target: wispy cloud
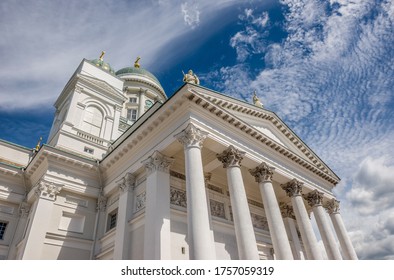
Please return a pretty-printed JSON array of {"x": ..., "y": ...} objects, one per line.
[
  {"x": 191, "y": 13},
  {"x": 42, "y": 42},
  {"x": 331, "y": 80}
]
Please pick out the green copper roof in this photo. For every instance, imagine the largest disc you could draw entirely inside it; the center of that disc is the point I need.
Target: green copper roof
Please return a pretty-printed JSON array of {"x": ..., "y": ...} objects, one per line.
[
  {"x": 138, "y": 71},
  {"x": 103, "y": 65}
]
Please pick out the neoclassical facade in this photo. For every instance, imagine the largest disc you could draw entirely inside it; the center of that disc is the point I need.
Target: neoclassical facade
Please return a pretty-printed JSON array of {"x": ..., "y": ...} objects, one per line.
[{"x": 128, "y": 173}]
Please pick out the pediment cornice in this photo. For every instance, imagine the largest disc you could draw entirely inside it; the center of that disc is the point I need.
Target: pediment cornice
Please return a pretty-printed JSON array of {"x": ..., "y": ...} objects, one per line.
[{"x": 222, "y": 106}]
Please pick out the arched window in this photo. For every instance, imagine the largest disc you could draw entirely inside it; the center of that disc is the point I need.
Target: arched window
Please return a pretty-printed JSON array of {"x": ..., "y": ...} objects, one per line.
[{"x": 92, "y": 120}]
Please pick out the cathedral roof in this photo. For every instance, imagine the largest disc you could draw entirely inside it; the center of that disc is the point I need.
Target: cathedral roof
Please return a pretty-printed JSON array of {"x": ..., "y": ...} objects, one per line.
[
  {"x": 137, "y": 72},
  {"x": 99, "y": 62}
]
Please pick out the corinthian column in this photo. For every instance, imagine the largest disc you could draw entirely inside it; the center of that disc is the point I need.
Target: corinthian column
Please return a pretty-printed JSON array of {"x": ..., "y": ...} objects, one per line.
[
  {"x": 201, "y": 245},
  {"x": 294, "y": 190},
  {"x": 263, "y": 175},
  {"x": 332, "y": 207},
  {"x": 121, "y": 247},
  {"x": 244, "y": 232},
  {"x": 314, "y": 200},
  {"x": 157, "y": 234}
]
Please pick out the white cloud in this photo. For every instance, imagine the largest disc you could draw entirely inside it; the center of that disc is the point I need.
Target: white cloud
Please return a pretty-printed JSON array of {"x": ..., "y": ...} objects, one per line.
[
  {"x": 331, "y": 81},
  {"x": 251, "y": 40},
  {"x": 191, "y": 14}
]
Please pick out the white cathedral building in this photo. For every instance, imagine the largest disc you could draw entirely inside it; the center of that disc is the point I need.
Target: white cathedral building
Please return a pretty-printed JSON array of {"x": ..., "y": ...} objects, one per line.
[{"x": 128, "y": 173}]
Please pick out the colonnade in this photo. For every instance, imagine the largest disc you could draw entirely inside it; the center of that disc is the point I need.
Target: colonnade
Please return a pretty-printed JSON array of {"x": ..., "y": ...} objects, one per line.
[{"x": 201, "y": 243}]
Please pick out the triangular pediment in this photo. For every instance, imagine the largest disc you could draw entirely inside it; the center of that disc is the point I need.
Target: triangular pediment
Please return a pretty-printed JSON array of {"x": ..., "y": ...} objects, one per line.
[
  {"x": 262, "y": 124},
  {"x": 101, "y": 85}
]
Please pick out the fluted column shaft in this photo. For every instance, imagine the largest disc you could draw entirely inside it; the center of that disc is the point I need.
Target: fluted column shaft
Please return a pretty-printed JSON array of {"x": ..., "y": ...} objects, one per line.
[
  {"x": 263, "y": 175},
  {"x": 201, "y": 245},
  {"x": 294, "y": 189},
  {"x": 347, "y": 247},
  {"x": 244, "y": 232},
  {"x": 314, "y": 200},
  {"x": 291, "y": 230}
]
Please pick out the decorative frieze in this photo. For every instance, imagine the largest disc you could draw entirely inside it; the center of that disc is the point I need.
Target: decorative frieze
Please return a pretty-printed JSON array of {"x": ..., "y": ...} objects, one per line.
[
  {"x": 231, "y": 157},
  {"x": 262, "y": 173},
  {"x": 314, "y": 198},
  {"x": 293, "y": 188},
  {"x": 332, "y": 206},
  {"x": 259, "y": 222},
  {"x": 158, "y": 162},
  {"x": 140, "y": 201},
  {"x": 48, "y": 190},
  {"x": 177, "y": 175},
  {"x": 191, "y": 136},
  {"x": 217, "y": 209},
  {"x": 178, "y": 197},
  {"x": 215, "y": 188},
  {"x": 255, "y": 203}
]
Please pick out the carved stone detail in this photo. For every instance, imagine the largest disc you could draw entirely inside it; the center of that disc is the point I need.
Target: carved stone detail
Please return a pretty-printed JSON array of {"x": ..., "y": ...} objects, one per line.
[
  {"x": 293, "y": 188},
  {"x": 48, "y": 190},
  {"x": 332, "y": 206},
  {"x": 231, "y": 157},
  {"x": 126, "y": 183},
  {"x": 259, "y": 222},
  {"x": 101, "y": 203},
  {"x": 158, "y": 162},
  {"x": 314, "y": 198},
  {"x": 262, "y": 173},
  {"x": 286, "y": 210},
  {"x": 140, "y": 201},
  {"x": 191, "y": 136},
  {"x": 178, "y": 197},
  {"x": 24, "y": 209},
  {"x": 217, "y": 208}
]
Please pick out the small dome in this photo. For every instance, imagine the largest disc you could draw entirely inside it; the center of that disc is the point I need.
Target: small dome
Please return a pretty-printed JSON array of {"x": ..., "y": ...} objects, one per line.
[
  {"x": 137, "y": 73},
  {"x": 103, "y": 65}
]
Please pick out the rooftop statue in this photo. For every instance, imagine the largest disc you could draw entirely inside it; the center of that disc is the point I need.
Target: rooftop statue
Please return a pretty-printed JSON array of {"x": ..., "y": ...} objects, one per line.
[
  {"x": 136, "y": 62},
  {"x": 256, "y": 100},
  {"x": 190, "y": 77}
]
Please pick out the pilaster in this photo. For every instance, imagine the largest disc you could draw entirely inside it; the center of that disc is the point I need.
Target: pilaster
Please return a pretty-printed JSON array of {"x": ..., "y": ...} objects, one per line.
[
  {"x": 46, "y": 193},
  {"x": 157, "y": 235},
  {"x": 125, "y": 206}
]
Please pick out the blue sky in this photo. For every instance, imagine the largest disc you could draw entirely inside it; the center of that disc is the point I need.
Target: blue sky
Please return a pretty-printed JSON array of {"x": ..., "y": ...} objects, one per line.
[{"x": 325, "y": 67}]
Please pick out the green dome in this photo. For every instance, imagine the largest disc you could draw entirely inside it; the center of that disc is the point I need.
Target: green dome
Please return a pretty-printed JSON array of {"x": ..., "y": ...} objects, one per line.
[
  {"x": 103, "y": 65},
  {"x": 139, "y": 72}
]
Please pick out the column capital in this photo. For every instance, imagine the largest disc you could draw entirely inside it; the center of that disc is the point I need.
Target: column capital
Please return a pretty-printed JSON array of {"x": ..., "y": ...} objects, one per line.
[
  {"x": 286, "y": 210},
  {"x": 101, "y": 203},
  {"x": 293, "y": 188},
  {"x": 126, "y": 183},
  {"x": 231, "y": 157},
  {"x": 191, "y": 136},
  {"x": 158, "y": 162},
  {"x": 48, "y": 190},
  {"x": 314, "y": 198},
  {"x": 24, "y": 209},
  {"x": 332, "y": 206},
  {"x": 262, "y": 173}
]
